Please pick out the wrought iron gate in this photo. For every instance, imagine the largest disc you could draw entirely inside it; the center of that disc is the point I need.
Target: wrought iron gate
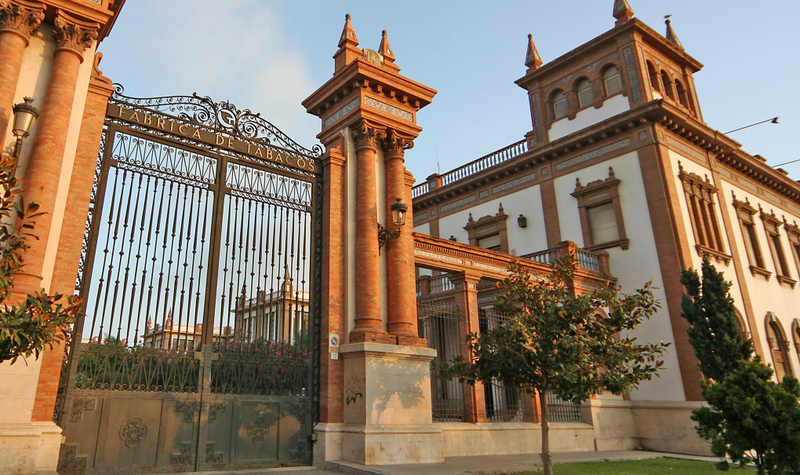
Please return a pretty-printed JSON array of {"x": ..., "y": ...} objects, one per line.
[{"x": 198, "y": 348}]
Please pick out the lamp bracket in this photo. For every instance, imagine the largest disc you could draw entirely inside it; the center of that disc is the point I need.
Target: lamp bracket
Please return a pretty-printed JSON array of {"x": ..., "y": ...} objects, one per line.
[{"x": 384, "y": 235}]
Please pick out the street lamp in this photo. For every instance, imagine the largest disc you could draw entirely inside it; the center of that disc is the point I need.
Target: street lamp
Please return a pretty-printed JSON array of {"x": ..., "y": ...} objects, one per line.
[
  {"x": 24, "y": 116},
  {"x": 773, "y": 120},
  {"x": 398, "y": 210}
]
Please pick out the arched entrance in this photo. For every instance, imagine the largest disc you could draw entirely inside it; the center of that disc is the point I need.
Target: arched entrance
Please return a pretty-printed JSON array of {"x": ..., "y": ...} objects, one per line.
[{"x": 200, "y": 274}]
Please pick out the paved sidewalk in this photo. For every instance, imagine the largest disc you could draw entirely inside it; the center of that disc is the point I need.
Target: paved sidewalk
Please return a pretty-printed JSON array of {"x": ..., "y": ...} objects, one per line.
[
  {"x": 482, "y": 464},
  {"x": 496, "y": 464}
]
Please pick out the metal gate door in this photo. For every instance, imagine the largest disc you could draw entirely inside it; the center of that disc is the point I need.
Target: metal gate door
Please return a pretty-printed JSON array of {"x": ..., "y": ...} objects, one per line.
[{"x": 198, "y": 348}]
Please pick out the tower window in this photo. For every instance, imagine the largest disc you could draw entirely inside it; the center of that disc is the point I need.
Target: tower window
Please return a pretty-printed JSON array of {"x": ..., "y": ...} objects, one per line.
[
  {"x": 585, "y": 97},
  {"x": 654, "y": 80},
  {"x": 667, "y": 83},
  {"x": 612, "y": 81},
  {"x": 559, "y": 104},
  {"x": 683, "y": 98}
]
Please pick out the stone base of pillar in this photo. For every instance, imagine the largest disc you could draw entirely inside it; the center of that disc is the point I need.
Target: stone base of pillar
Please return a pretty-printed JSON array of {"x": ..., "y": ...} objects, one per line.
[
  {"x": 387, "y": 412},
  {"x": 31, "y": 448}
]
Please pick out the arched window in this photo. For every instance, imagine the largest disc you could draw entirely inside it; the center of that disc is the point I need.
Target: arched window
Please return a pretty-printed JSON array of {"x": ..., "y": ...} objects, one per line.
[
  {"x": 559, "y": 104},
  {"x": 778, "y": 347},
  {"x": 667, "y": 83},
  {"x": 683, "y": 98},
  {"x": 611, "y": 81},
  {"x": 654, "y": 80},
  {"x": 585, "y": 96},
  {"x": 796, "y": 336},
  {"x": 742, "y": 325}
]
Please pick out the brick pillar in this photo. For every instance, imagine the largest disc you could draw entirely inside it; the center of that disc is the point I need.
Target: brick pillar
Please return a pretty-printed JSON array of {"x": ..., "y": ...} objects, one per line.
[
  {"x": 44, "y": 168},
  {"x": 368, "y": 283},
  {"x": 333, "y": 282},
  {"x": 17, "y": 22},
  {"x": 72, "y": 229},
  {"x": 401, "y": 289},
  {"x": 467, "y": 301}
]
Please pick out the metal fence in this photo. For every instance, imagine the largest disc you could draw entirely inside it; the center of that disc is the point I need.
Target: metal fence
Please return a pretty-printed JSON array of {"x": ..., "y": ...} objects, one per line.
[
  {"x": 441, "y": 322},
  {"x": 559, "y": 410}
]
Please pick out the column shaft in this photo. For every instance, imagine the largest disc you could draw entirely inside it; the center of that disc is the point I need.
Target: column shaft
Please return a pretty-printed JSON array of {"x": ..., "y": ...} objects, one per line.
[
  {"x": 368, "y": 325},
  {"x": 12, "y": 47},
  {"x": 44, "y": 168}
]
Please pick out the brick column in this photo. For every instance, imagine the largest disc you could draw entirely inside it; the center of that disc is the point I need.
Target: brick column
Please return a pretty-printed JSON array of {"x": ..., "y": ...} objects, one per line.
[
  {"x": 44, "y": 168},
  {"x": 368, "y": 291},
  {"x": 71, "y": 239},
  {"x": 467, "y": 301},
  {"x": 17, "y": 22},
  {"x": 401, "y": 289}
]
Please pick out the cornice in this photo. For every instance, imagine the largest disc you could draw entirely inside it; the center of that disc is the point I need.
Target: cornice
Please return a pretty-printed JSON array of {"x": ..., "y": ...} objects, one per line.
[
  {"x": 717, "y": 145},
  {"x": 629, "y": 28}
]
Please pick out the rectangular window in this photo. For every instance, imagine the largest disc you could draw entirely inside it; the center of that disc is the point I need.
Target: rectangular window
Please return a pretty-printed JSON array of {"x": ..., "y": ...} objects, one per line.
[
  {"x": 491, "y": 242},
  {"x": 560, "y": 108},
  {"x": 601, "y": 213},
  {"x": 745, "y": 213},
  {"x": 793, "y": 231},
  {"x": 603, "y": 223},
  {"x": 703, "y": 215},
  {"x": 613, "y": 85},
  {"x": 771, "y": 226}
]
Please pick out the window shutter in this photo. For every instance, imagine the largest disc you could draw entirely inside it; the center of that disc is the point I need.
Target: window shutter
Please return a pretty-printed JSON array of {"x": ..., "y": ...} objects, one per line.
[{"x": 603, "y": 223}]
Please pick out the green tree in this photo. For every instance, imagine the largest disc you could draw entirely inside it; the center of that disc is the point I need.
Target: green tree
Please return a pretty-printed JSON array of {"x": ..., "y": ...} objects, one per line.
[
  {"x": 557, "y": 341},
  {"x": 41, "y": 319},
  {"x": 752, "y": 419},
  {"x": 749, "y": 418},
  {"x": 714, "y": 333}
]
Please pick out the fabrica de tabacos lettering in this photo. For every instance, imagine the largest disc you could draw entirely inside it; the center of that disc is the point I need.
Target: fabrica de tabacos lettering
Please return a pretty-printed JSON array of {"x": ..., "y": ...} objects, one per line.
[{"x": 139, "y": 117}]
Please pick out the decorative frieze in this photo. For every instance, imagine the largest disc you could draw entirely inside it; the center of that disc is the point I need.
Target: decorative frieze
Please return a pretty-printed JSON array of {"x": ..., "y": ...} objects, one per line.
[
  {"x": 515, "y": 182},
  {"x": 584, "y": 157},
  {"x": 341, "y": 112},
  {"x": 461, "y": 202},
  {"x": 370, "y": 102},
  {"x": 633, "y": 80}
]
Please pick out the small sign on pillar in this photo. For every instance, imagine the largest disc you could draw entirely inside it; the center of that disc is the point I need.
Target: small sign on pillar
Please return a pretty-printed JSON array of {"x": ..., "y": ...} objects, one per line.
[{"x": 333, "y": 345}]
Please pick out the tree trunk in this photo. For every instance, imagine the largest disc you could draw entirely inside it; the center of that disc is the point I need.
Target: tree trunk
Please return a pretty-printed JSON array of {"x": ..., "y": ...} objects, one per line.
[{"x": 547, "y": 457}]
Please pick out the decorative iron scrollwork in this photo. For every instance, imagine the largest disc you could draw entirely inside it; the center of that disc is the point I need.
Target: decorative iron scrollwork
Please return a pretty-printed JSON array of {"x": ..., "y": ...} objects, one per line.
[
  {"x": 211, "y": 455},
  {"x": 70, "y": 460},
  {"x": 219, "y": 115},
  {"x": 188, "y": 408},
  {"x": 258, "y": 430},
  {"x": 215, "y": 408},
  {"x": 133, "y": 432},
  {"x": 79, "y": 405},
  {"x": 184, "y": 457}
]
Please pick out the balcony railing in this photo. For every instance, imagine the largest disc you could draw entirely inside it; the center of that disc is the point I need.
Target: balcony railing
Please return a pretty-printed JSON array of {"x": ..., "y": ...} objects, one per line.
[
  {"x": 473, "y": 167},
  {"x": 584, "y": 259}
]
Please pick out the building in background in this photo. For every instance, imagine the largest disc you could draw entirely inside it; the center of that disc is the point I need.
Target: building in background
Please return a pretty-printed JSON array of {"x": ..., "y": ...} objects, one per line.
[{"x": 619, "y": 159}]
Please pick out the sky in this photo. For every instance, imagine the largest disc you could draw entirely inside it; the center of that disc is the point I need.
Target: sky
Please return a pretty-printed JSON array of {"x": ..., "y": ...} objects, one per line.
[{"x": 268, "y": 56}]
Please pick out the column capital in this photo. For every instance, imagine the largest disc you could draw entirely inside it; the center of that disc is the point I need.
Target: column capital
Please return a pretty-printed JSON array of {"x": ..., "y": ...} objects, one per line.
[
  {"x": 395, "y": 145},
  {"x": 366, "y": 135},
  {"x": 73, "y": 35},
  {"x": 21, "y": 19}
]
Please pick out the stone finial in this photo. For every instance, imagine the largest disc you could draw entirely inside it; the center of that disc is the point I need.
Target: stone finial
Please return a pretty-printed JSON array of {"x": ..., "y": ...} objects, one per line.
[
  {"x": 671, "y": 36},
  {"x": 622, "y": 11},
  {"x": 348, "y": 33},
  {"x": 385, "y": 49},
  {"x": 611, "y": 173},
  {"x": 532, "y": 58},
  {"x": 348, "y": 46}
]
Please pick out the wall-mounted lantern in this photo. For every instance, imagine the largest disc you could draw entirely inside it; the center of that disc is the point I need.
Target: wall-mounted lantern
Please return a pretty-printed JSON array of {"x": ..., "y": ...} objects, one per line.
[
  {"x": 24, "y": 116},
  {"x": 398, "y": 210},
  {"x": 522, "y": 221}
]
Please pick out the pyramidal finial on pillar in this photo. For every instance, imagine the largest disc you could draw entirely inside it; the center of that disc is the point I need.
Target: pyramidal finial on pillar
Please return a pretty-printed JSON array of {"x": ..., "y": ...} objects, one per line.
[
  {"x": 348, "y": 33},
  {"x": 671, "y": 36},
  {"x": 385, "y": 50},
  {"x": 622, "y": 11},
  {"x": 348, "y": 46},
  {"x": 532, "y": 58}
]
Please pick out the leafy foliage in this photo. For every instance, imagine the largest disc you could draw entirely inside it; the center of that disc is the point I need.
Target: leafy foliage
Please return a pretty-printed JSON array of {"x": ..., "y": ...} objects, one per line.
[
  {"x": 749, "y": 418},
  {"x": 753, "y": 419},
  {"x": 559, "y": 341},
  {"x": 714, "y": 332},
  {"x": 41, "y": 319}
]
